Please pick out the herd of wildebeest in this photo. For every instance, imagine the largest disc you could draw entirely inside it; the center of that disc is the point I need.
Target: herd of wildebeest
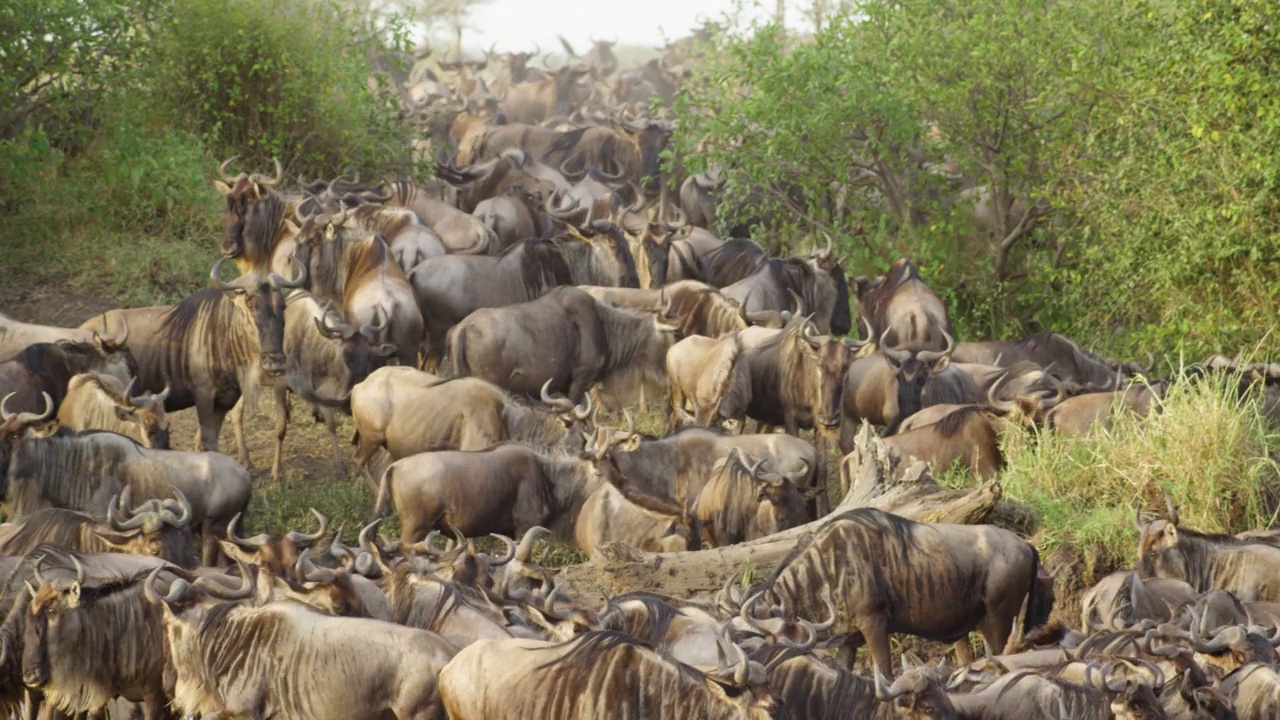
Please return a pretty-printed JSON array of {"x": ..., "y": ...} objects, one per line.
[{"x": 473, "y": 327}]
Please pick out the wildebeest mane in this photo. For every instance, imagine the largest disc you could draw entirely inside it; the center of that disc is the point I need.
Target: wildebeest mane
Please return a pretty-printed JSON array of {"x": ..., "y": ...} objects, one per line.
[
  {"x": 593, "y": 649},
  {"x": 542, "y": 267},
  {"x": 56, "y": 363},
  {"x": 566, "y": 142},
  {"x": 55, "y": 526},
  {"x": 179, "y": 323},
  {"x": 953, "y": 422},
  {"x": 628, "y": 331},
  {"x": 657, "y": 618},
  {"x": 852, "y": 695}
]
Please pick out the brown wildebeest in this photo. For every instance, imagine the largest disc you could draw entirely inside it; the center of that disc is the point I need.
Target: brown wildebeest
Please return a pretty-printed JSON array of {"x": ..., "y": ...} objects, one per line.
[{"x": 903, "y": 311}]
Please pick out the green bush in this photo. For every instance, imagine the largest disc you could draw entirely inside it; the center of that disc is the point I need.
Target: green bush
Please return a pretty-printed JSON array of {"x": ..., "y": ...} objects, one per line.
[{"x": 287, "y": 79}]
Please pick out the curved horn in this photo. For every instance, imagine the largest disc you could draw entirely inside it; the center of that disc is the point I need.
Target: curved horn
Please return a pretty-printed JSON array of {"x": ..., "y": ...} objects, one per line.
[
  {"x": 222, "y": 169},
  {"x": 214, "y": 589},
  {"x": 299, "y": 280},
  {"x": 253, "y": 543},
  {"x": 585, "y": 411},
  {"x": 883, "y": 692},
  {"x": 273, "y": 182},
  {"x": 124, "y": 336},
  {"x": 340, "y": 330},
  {"x": 995, "y": 402},
  {"x": 931, "y": 356},
  {"x": 510, "y": 554},
  {"x": 524, "y": 551},
  {"x": 895, "y": 356},
  {"x": 811, "y": 637},
  {"x": 177, "y": 589},
  {"x": 831, "y": 609},
  {"x": 184, "y": 507},
  {"x": 304, "y": 539},
  {"x": 22, "y": 419},
  {"x": 562, "y": 404},
  {"x": 1137, "y": 520},
  {"x": 243, "y": 282}
]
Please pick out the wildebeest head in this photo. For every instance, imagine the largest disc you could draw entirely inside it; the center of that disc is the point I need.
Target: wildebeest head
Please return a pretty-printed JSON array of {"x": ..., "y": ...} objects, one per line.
[
  {"x": 157, "y": 528},
  {"x": 51, "y": 620},
  {"x": 650, "y": 244},
  {"x": 913, "y": 370},
  {"x": 1159, "y": 553},
  {"x": 915, "y": 693},
  {"x": 148, "y": 413},
  {"x": 275, "y": 554},
  {"x": 263, "y": 300},
  {"x": 254, "y": 213},
  {"x": 828, "y": 359},
  {"x": 360, "y": 355},
  {"x": 610, "y": 254},
  {"x": 13, "y": 427},
  {"x": 650, "y": 138},
  {"x": 829, "y": 265}
]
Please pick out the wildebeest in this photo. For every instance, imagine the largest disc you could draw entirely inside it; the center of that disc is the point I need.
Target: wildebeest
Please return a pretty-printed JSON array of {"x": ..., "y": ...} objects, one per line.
[
  {"x": 158, "y": 529},
  {"x": 225, "y": 659},
  {"x": 324, "y": 360},
  {"x": 1056, "y": 353},
  {"x": 452, "y": 287},
  {"x": 49, "y": 368},
  {"x": 1076, "y": 416},
  {"x": 967, "y": 435},
  {"x": 101, "y": 402},
  {"x": 506, "y": 489},
  {"x": 706, "y": 375},
  {"x": 797, "y": 380},
  {"x": 599, "y": 674},
  {"x": 1248, "y": 570},
  {"x": 82, "y": 471},
  {"x": 533, "y": 101},
  {"x": 594, "y": 342},
  {"x": 893, "y": 384},
  {"x": 887, "y": 574},
  {"x": 608, "y": 516},
  {"x": 698, "y": 308},
  {"x": 16, "y": 336},
  {"x": 810, "y": 687},
  {"x": 743, "y": 502},
  {"x": 1126, "y": 598},
  {"x": 680, "y": 465},
  {"x": 903, "y": 311},
  {"x": 89, "y": 639},
  {"x": 1026, "y": 694},
  {"x": 212, "y": 348},
  {"x": 407, "y": 412},
  {"x": 818, "y": 281},
  {"x": 355, "y": 270}
]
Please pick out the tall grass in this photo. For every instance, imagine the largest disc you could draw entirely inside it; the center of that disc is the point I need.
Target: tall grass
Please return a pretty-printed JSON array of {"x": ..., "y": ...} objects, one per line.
[{"x": 1212, "y": 451}]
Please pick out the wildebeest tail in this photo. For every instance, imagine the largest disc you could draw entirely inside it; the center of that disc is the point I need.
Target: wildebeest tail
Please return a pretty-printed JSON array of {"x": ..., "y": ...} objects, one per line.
[
  {"x": 381, "y": 506},
  {"x": 454, "y": 363}
]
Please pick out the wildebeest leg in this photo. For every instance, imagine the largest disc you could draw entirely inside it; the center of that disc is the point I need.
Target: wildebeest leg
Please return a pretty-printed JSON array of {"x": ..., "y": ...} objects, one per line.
[
  {"x": 331, "y": 422},
  {"x": 31, "y": 704},
  {"x": 847, "y": 655},
  {"x": 876, "y": 634},
  {"x": 847, "y": 431},
  {"x": 210, "y": 425},
  {"x": 282, "y": 427},
  {"x": 237, "y": 428},
  {"x": 209, "y": 545}
]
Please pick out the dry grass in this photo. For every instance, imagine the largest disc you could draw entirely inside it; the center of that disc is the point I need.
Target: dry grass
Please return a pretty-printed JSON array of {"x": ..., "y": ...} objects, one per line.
[{"x": 1212, "y": 452}]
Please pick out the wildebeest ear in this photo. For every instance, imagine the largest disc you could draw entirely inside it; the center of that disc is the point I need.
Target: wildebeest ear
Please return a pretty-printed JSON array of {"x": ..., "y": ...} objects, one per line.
[
  {"x": 71, "y": 596},
  {"x": 221, "y": 187},
  {"x": 235, "y": 552},
  {"x": 1170, "y": 535},
  {"x": 124, "y": 414},
  {"x": 941, "y": 364},
  {"x": 862, "y": 284}
]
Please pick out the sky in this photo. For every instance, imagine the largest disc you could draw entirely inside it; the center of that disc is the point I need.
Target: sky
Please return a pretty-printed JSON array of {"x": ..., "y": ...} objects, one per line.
[{"x": 520, "y": 24}]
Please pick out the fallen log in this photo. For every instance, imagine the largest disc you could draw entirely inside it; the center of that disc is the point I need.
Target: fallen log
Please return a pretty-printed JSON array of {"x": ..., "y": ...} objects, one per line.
[{"x": 616, "y": 568}]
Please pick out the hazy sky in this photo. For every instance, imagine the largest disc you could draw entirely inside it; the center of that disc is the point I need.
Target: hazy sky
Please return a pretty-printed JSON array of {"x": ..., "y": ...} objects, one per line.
[{"x": 520, "y": 24}]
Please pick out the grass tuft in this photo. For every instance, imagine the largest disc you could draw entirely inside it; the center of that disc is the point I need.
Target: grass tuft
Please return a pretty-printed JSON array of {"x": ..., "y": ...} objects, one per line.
[{"x": 1211, "y": 451}]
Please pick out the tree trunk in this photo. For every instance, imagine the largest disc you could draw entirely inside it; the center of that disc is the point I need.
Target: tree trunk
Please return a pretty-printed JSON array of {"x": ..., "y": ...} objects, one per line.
[{"x": 616, "y": 568}]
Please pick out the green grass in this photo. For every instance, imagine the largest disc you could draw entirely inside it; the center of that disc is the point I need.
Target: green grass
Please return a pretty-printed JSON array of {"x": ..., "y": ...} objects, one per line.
[{"x": 1214, "y": 455}]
